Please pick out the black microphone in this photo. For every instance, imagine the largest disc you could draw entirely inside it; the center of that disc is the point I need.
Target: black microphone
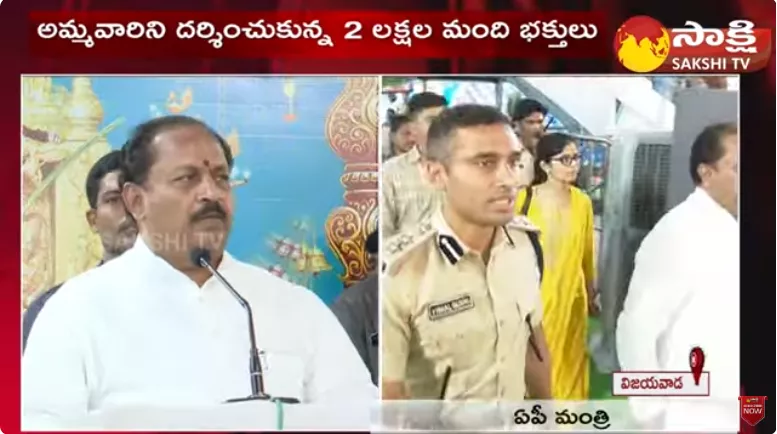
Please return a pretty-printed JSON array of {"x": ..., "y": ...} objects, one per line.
[{"x": 201, "y": 258}]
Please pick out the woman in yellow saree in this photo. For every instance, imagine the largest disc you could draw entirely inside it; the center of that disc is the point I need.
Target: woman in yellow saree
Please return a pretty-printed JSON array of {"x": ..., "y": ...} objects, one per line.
[{"x": 564, "y": 215}]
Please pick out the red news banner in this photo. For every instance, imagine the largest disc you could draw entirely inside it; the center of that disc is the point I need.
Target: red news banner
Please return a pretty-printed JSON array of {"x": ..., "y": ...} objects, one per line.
[{"x": 324, "y": 35}]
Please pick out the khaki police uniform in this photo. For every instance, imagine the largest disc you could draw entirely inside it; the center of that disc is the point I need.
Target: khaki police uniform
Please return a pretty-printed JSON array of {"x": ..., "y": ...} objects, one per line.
[
  {"x": 407, "y": 198},
  {"x": 526, "y": 162},
  {"x": 442, "y": 306}
]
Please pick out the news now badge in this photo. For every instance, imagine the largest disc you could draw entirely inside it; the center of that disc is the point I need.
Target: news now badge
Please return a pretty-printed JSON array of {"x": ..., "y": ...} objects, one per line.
[
  {"x": 644, "y": 45},
  {"x": 752, "y": 409}
]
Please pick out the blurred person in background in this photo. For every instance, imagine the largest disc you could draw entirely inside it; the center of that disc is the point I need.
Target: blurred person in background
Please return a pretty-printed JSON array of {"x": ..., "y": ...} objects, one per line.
[
  {"x": 357, "y": 310},
  {"x": 526, "y": 164},
  {"x": 449, "y": 329},
  {"x": 107, "y": 217},
  {"x": 423, "y": 108},
  {"x": 716, "y": 82},
  {"x": 707, "y": 82},
  {"x": 528, "y": 116},
  {"x": 385, "y": 141},
  {"x": 565, "y": 217},
  {"x": 169, "y": 333},
  {"x": 406, "y": 195},
  {"x": 685, "y": 285},
  {"x": 528, "y": 120},
  {"x": 401, "y": 135}
]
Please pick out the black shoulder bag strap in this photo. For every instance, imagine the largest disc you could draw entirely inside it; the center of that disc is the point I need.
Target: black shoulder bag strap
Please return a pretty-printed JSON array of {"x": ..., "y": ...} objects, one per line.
[{"x": 533, "y": 238}]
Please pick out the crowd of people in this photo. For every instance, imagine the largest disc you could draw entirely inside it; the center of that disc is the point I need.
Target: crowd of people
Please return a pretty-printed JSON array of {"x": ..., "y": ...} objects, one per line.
[
  {"x": 487, "y": 278},
  {"x": 490, "y": 270}
]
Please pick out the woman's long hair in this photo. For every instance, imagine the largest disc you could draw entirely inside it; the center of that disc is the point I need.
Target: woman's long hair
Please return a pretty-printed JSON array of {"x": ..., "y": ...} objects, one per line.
[{"x": 549, "y": 146}]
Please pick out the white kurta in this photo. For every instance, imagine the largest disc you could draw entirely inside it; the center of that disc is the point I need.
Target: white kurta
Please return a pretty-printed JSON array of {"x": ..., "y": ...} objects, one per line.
[
  {"x": 138, "y": 332},
  {"x": 685, "y": 293}
]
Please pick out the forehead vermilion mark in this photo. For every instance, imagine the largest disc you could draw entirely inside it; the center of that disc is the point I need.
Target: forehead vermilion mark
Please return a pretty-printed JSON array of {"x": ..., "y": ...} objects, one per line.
[{"x": 206, "y": 163}]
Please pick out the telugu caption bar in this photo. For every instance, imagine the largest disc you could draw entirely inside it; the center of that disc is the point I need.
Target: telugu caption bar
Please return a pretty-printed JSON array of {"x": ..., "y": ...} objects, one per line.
[
  {"x": 527, "y": 416},
  {"x": 400, "y": 33},
  {"x": 323, "y": 35}
]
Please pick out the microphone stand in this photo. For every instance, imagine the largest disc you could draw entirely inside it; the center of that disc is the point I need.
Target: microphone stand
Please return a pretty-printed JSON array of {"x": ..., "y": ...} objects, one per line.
[{"x": 255, "y": 363}]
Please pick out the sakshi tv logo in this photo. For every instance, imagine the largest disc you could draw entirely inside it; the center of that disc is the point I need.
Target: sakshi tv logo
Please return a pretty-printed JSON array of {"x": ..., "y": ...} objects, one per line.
[{"x": 644, "y": 45}]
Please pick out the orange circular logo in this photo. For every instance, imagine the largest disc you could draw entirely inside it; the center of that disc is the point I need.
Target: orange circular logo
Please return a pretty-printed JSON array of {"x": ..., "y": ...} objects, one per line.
[{"x": 642, "y": 44}]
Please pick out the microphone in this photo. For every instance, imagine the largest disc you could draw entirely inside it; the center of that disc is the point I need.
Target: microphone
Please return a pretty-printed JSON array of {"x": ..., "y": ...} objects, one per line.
[{"x": 201, "y": 258}]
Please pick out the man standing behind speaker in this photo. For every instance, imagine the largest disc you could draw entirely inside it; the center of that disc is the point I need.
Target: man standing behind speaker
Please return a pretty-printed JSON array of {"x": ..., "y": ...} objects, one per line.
[
  {"x": 357, "y": 310},
  {"x": 106, "y": 216},
  {"x": 153, "y": 328}
]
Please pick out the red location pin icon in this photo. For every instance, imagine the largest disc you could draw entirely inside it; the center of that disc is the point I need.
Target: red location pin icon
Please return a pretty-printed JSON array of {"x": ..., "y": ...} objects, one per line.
[{"x": 697, "y": 363}]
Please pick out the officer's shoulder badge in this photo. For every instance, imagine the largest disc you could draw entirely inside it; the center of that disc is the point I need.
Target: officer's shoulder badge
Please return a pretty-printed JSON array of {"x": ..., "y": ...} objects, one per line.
[
  {"x": 404, "y": 242},
  {"x": 522, "y": 223}
]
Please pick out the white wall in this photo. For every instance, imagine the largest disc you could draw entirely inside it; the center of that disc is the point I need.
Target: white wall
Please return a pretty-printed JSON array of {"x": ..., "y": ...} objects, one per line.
[{"x": 591, "y": 100}]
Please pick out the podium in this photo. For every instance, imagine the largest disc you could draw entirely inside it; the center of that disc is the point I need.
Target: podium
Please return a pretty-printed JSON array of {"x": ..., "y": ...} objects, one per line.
[{"x": 234, "y": 417}]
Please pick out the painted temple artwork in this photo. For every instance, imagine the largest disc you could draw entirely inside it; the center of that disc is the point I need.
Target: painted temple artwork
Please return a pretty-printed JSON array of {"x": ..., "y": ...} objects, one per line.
[{"x": 305, "y": 177}]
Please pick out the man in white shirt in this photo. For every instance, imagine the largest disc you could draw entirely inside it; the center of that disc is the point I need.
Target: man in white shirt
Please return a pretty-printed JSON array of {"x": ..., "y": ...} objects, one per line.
[
  {"x": 684, "y": 293},
  {"x": 151, "y": 328}
]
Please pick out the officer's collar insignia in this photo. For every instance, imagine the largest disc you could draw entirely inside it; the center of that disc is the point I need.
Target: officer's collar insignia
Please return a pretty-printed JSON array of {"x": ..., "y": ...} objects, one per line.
[
  {"x": 450, "y": 248},
  {"x": 453, "y": 250}
]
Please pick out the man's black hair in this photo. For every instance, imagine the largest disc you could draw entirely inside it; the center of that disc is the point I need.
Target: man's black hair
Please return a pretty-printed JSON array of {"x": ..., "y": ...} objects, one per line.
[
  {"x": 372, "y": 244},
  {"x": 708, "y": 147},
  {"x": 108, "y": 163},
  {"x": 422, "y": 101},
  {"x": 138, "y": 153},
  {"x": 444, "y": 126},
  {"x": 527, "y": 107},
  {"x": 397, "y": 121}
]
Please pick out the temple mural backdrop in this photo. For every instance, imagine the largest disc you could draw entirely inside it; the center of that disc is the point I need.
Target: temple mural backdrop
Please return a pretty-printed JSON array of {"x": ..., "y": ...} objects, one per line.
[{"x": 305, "y": 176}]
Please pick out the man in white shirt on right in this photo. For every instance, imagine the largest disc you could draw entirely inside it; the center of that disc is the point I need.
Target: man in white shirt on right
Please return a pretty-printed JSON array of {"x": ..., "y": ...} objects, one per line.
[{"x": 684, "y": 293}]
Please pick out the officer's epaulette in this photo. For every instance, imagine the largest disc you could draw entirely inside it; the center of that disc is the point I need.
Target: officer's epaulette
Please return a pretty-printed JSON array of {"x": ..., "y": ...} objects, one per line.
[
  {"x": 401, "y": 244},
  {"x": 522, "y": 223}
]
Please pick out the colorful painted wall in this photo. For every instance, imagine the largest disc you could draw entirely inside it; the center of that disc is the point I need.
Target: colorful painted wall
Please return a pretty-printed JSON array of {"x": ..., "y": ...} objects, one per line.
[{"x": 305, "y": 178}]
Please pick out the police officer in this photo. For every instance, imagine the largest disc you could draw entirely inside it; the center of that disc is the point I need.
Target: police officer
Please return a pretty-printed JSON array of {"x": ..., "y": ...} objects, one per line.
[
  {"x": 406, "y": 196},
  {"x": 460, "y": 297}
]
